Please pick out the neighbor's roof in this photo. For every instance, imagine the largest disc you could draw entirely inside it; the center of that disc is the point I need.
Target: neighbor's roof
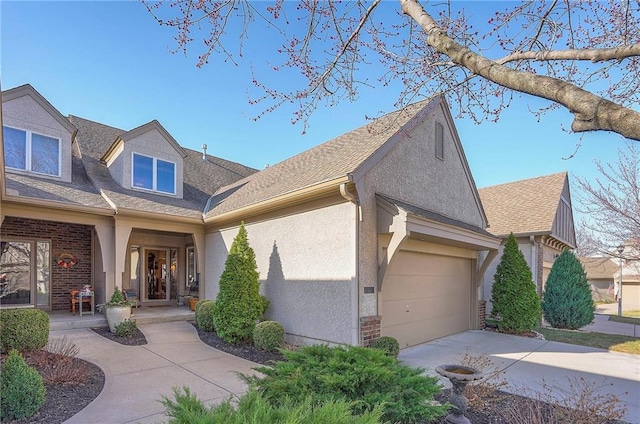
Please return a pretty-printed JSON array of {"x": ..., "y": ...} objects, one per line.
[
  {"x": 523, "y": 207},
  {"x": 599, "y": 267},
  {"x": 329, "y": 161}
]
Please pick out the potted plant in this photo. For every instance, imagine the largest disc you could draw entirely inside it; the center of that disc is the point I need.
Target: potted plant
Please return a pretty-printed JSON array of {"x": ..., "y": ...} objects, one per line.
[
  {"x": 117, "y": 309},
  {"x": 193, "y": 300}
]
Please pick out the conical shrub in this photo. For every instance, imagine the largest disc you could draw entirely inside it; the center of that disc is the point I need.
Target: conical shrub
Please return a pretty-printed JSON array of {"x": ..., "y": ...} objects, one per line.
[
  {"x": 567, "y": 301},
  {"x": 516, "y": 305}
]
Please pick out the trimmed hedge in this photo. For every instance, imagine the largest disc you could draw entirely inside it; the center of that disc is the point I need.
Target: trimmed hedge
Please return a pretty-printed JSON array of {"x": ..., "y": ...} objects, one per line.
[
  {"x": 22, "y": 391},
  {"x": 205, "y": 311},
  {"x": 388, "y": 345},
  {"x": 268, "y": 335},
  {"x": 23, "y": 329}
]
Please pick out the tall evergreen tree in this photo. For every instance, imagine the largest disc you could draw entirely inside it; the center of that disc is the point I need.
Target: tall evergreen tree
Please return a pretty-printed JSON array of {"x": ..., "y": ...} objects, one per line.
[
  {"x": 238, "y": 304},
  {"x": 567, "y": 300},
  {"x": 516, "y": 304}
]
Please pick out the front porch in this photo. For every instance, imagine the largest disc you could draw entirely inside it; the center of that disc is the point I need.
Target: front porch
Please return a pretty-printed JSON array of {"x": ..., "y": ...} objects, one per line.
[{"x": 64, "y": 320}]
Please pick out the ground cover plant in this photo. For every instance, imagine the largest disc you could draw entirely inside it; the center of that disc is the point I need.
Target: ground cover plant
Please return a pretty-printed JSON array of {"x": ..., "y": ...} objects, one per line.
[
  {"x": 628, "y": 317},
  {"x": 252, "y": 408},
  {"x": 516, "y": 306},
  {"x": 365, "y": 376},
  {"x": 567, "y": 301}
]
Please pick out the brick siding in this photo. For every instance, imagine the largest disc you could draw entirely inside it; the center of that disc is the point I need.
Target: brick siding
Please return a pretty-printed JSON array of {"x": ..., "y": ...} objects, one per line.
[
  {"x": 68, "y": 238},
  {"x": 482, "y": 311},
  {"x": 369, "y": 329}
]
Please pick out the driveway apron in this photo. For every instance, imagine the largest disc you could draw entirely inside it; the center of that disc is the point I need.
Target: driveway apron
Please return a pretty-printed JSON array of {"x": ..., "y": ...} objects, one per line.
[
  {"x": 527, "y": 364},
  {"x": 136, "y": 377}
]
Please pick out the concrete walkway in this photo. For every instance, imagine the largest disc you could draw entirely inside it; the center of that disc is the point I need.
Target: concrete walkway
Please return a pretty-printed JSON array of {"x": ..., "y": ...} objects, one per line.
[
  {"x": 601, "y": 324},
  {"x": 526, "y": 363},
  {"x": 137, "y": 376}
]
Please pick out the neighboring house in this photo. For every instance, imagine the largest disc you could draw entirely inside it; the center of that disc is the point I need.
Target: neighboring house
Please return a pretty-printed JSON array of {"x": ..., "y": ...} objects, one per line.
[
  {"x": 603, "y": 274},
  {"x": 379, "y": 231},
  {"x": 538, "y": 212}
]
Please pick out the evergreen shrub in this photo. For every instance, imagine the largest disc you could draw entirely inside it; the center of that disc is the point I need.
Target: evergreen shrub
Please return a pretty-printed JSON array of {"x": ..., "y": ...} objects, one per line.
[
  {"x": 268, "y": 335},
  {"x": 388, "y": 345},
  {"x": 366, "y": 377},
  {"x": 205, "y": 311},
  {"x": 23, "y": 329},
  {"x": 238, "y": 304},
  {"x": 516, "y": 305},
  {"x": 252, "y": 408},
  {"x": 22, "y": 391},
  {"x": 567, "y": 301}
]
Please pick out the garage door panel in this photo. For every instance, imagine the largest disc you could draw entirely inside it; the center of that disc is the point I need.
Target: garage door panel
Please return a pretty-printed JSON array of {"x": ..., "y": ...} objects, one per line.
[
  {"x": 409, "y": 287},
  {"x": 407, "y": 311},
  {"x": 436, "y": 292}
]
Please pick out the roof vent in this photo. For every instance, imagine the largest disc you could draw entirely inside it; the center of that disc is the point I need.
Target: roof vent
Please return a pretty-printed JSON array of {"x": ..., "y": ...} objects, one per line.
[{"x": 204, "y": 152}]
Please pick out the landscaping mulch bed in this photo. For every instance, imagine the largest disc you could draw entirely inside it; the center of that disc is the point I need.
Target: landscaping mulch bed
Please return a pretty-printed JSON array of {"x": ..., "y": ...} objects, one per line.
[
  {"x": 244, "y": 350},
  {"x": 63, "y": 401},
  {"x": 137, "y": 340}
]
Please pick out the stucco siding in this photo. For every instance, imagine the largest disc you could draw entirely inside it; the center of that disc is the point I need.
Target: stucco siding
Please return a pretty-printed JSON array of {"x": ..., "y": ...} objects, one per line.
[
  {"x": 411, "y": 172},
  {"x": 26, "y": 114},
  {"x": 306, "y": 263}
]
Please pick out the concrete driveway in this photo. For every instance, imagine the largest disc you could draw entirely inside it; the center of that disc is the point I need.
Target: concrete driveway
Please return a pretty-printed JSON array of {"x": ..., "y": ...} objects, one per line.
[
  {"x": 527, "y": 362},
  {"x": 137, "y": 376}
]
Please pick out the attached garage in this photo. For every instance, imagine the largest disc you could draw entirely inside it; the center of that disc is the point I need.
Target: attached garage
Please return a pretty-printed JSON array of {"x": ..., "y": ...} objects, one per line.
[{"x": 426, "y": 296}]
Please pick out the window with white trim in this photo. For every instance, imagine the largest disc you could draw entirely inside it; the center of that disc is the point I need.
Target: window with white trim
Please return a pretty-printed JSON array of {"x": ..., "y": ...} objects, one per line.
[
  {"x": 30, "y": 151},
  {"x": 154, "y": 174}
]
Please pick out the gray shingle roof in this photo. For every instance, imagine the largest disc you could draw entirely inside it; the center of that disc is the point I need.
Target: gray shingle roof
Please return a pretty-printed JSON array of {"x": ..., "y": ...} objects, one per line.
[
  {"x": 200, "y": 178},
  {"x": 334, "y": 159},
  {"x": 523, "y": 207}
]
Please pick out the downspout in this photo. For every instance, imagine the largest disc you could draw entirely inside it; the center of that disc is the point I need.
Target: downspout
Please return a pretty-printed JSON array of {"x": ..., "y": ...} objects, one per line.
[
  {"x": 355, "y": 294},
  {"x": 534, "y": 263}
]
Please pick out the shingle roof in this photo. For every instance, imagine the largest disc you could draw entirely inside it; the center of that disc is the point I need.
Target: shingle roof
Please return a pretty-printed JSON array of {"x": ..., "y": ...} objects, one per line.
[
  {"x": 523, "y": 207},
  {"x": 434, "y": 216},
  {"x": 599, "y": 267},
  {"x": 200, "y": 178},
  {"x": 331, "y": 160}
]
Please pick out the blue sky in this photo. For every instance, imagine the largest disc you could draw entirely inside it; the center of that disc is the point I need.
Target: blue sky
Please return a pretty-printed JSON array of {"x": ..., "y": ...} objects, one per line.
[{"x": 111, "y": 62}]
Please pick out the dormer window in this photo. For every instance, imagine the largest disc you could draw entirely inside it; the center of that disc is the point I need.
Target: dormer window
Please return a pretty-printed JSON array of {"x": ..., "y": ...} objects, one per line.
[
  {"x": 150, "y": 173},
  {"x": 29, "y": 151}
]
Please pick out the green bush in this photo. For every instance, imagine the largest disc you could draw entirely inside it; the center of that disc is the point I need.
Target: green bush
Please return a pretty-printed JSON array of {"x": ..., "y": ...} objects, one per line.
[
  {"x": 516, "y": 305},
  {"x": 205, "y": 311},
  {"x": 238, "y": 304},
  {"x": 268, "y": 335},
  {"x": 567, "y": 301},
  {"x": 126, "y": 328},
  {"x": 366, "y": 377},
  {"x": 22, "y": 391},
  {"x": 388, "y": 345},
  {"x": 254, "y": 409},
  {"x": 23, "y": 329}
]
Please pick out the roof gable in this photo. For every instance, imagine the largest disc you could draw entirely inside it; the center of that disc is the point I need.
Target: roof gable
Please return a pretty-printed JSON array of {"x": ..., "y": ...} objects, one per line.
[
  {"x": 526, "y": 207},
  {"x": 115, "y": 147},
  {"x": 346, "y": 157}
]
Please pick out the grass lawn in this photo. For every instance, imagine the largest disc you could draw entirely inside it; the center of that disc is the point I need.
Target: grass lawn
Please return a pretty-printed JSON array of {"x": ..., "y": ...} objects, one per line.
[
  {"x": 625, "y": 319},
  {"x": 613, "y": 342}
]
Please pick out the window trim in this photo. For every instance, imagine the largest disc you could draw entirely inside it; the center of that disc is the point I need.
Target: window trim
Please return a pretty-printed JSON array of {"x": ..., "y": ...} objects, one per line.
[
  {"x": 29, "y": 151},
  {"x": 154, "y": 176}
]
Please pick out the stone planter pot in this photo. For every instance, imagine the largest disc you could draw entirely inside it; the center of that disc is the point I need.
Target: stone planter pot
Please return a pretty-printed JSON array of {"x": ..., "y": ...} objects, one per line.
[{"x": 116, "y": 315}]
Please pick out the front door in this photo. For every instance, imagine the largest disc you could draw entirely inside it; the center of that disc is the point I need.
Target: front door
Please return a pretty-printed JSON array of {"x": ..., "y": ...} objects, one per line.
[{"x": 157, "y": 275}]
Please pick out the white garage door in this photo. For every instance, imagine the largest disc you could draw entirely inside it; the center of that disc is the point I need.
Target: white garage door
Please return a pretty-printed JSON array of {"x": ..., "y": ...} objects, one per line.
[{"x": 424, "y": 297}]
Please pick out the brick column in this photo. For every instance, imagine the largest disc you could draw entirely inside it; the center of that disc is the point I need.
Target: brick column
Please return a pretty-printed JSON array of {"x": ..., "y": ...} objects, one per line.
[
  {"x": 482, "y": 312},
  {"x": 369, "y": 329}
]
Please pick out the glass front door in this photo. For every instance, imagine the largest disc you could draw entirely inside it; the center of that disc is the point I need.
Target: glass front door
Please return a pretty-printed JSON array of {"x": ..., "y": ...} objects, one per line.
[
  {"x": 25, "y": 273},
  {"x": 157, "y": 274}
]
